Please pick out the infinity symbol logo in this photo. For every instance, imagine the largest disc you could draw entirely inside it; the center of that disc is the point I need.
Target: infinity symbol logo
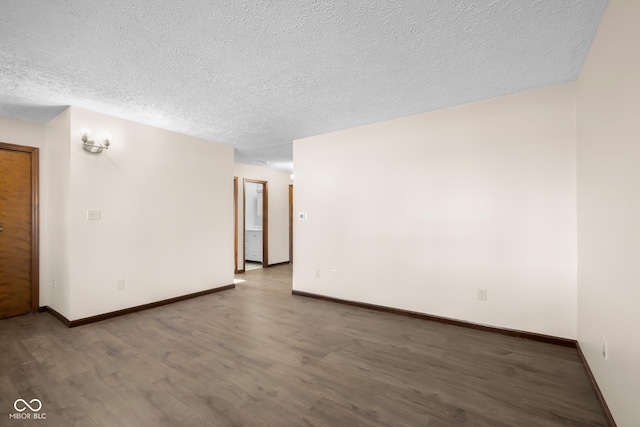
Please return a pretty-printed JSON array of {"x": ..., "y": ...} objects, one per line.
[{"x": 26, "y": 405}]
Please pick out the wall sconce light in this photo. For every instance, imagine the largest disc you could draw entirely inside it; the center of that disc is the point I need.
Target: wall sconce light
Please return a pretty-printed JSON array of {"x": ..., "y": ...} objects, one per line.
[{"x": 92, "y": 146}]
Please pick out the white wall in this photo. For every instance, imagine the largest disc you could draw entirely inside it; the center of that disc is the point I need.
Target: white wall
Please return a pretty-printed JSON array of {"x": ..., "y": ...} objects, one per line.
[
  {"x": 166, "y": 227},
  {"x": 55, "y": 221},
  {"x": 418, "y": 213},
  {"x": 20, "y": 132},
  {"x": 609, "y": 209},
  {"x": 278, "y": 209},
  {"x": 167, "y": 219}
]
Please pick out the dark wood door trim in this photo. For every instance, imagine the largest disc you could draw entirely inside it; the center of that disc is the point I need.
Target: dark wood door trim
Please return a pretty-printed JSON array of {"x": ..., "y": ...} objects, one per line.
[
  {"x": 244, "y": 224},
  {"x": 291, "y": 223},
  {"x": 265, "y": 219},
  {"x": 34, "y": 153},
  {"x": 265, "y": 225},
  {"x": 235, "y": 225}
]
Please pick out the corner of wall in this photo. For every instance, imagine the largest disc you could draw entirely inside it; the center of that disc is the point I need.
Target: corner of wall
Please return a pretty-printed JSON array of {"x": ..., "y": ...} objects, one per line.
[
  {"x": 55, "y": 262},
  {"x": 609, "y": 208}
]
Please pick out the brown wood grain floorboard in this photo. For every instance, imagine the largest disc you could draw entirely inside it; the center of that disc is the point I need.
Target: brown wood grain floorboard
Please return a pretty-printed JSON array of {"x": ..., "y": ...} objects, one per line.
[{"x": 259, "y": 356}]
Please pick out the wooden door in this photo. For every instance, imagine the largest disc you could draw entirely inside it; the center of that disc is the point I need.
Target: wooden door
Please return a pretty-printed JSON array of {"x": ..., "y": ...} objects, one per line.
[{"x": 18, "y": 230}]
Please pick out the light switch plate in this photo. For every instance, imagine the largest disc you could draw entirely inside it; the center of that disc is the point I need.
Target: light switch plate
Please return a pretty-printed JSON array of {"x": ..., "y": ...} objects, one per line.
[
  {"x": 93, "y": 214},
  {"x": 302, "y": 216}
]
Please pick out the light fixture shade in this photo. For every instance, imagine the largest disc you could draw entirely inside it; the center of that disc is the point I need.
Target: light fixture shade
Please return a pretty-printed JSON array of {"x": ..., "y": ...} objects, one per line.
[{"x": 92, "y": 146}]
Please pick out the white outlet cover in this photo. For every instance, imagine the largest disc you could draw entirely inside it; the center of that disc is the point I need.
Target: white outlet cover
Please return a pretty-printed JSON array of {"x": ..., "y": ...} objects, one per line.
[
  {"x": 302, "y": 216},
  {"x": 93, "y": 214}
]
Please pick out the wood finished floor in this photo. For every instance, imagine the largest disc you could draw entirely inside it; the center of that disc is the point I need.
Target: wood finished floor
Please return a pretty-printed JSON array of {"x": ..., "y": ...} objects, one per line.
[{"x": 258, "y": 356}]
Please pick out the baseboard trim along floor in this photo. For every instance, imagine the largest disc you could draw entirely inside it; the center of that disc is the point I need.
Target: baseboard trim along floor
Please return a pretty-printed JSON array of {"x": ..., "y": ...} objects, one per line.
[
  {"x": 105, "y": 316},
  {"x": 596, "y": 388},
  {"x": 278, "y": 263},
  {"x": 565, "y": 342}
]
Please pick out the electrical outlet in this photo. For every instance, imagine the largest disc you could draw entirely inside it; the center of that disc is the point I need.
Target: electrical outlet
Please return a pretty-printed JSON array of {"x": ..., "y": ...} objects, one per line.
[
  {"x": 605, "y": 348},
  {"x": 120, "y": 284},
  {"x": 317, "y": 272},
  {"x": 482, "y": 294},
  {"x": 54, "y": 284},
  {"x": 334, "y": 275}
]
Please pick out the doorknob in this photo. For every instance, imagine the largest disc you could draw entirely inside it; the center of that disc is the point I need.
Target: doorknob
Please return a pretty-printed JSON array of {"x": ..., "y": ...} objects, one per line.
[{"x": 1, "y": 228}]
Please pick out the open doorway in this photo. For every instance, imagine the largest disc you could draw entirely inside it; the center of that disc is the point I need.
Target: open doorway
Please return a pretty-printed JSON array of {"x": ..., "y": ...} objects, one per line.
[{"x": 255, "y": 224}]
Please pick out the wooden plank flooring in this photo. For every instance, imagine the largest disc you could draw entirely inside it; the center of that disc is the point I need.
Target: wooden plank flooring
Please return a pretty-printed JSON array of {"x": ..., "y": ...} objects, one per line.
[{"x": 259, "y": 356}]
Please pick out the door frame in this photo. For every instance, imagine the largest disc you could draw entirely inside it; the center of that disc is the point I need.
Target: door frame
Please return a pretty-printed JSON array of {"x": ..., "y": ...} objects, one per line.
[
  {"x": 290, "y": 223},
  {"x": 265, "y": 221},
  {"x": 34, "y": 154},
  {"x": 235, "y": 226}
]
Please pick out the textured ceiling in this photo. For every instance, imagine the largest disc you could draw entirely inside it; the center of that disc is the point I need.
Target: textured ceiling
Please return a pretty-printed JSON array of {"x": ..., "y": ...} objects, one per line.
[{"x": 258, "y": 74}]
